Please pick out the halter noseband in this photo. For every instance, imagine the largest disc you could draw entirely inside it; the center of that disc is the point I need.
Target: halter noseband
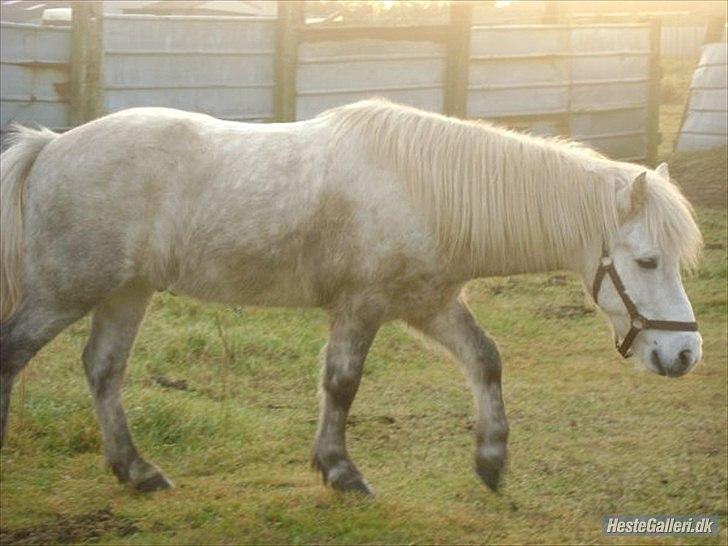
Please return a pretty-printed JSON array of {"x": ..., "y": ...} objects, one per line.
[{"x": 637, "y": 321}]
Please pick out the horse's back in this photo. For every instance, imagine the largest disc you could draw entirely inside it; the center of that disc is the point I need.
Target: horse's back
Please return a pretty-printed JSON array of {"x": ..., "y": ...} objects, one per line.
[{"x": 267, "y": 214}]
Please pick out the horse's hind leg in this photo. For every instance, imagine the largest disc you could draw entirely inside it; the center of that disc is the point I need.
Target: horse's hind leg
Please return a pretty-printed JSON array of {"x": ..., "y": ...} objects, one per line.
[
  {"x": 352, "y": 331},
  {"x": 115, "y": 324},
  {"x": 32, "y": 326}
]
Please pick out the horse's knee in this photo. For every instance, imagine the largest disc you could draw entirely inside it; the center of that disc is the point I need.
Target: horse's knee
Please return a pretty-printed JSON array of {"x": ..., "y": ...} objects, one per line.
[
  {"x": 104, "y": 359},
  {"x": 103, "y": 369},
  {"x": 341, "y": 383}
]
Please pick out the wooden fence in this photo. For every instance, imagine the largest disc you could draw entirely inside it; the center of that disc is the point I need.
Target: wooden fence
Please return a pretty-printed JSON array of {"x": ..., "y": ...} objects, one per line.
[
  {"x": 596, "y": 83},
  {"x": 219, "y": 65},
  {"x": 35, "y": 74}
]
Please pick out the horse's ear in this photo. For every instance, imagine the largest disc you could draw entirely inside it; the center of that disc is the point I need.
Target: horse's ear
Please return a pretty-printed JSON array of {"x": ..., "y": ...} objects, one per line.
[
  {"x": 638, "y": 193},
  {"x": 631, "y": 198},
  {"x": 662, "y": 170}
]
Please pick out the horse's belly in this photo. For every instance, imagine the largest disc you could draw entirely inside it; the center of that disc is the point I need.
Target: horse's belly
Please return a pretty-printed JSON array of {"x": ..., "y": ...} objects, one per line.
[{"x": 248, "y": 280}]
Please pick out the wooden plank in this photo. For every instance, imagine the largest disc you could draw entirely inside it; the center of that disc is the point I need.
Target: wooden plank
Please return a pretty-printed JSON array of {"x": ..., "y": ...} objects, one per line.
[
  {"x": 715, "y": 29},
  {"x": 86, "y": 55},
  {"x": 289, "y": 24},
  {"x": 457, "y": 70},
  {"x": 407, "y": 33},
  {"x": 653, "y": 93}
]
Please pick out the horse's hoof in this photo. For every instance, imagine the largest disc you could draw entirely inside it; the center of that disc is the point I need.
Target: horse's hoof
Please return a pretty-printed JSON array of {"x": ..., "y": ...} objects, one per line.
[
  {"x": 342, "y": 475},
  {"x": 490, "y": 470},
  {"x": 354, "y": 484},
  {"x": 157, "y": 482},
  {"x": 489, "y": 476}
]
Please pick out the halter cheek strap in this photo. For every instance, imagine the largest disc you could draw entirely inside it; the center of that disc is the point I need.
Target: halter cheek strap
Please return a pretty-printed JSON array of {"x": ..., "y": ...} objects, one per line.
[{"x": 637, "y": 321}]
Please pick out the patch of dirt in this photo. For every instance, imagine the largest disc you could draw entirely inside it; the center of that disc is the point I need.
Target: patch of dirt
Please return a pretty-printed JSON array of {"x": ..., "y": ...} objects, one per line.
[
  {"x": 556, "y": 280},
  {"x": 564, "y": 311},
  {"x": 703, "y": 176},
  {"x": 509, "y": 285},
  {"x": 71, "y": 529},
  {"x": 164, "y": 381}
]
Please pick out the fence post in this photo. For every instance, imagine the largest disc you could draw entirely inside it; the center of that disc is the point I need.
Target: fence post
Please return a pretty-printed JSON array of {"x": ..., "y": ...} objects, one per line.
[
  {"x": 654, "y": 136},
  {"x": 714, "y": 30},
  {"x": 87, "y": 100},
  {"x": 288, "y": 28},
  {"x": 457, "y": 71}
]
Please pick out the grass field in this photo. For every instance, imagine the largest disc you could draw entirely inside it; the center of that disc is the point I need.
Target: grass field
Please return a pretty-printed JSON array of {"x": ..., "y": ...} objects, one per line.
[{"x": 590, "y": 435}]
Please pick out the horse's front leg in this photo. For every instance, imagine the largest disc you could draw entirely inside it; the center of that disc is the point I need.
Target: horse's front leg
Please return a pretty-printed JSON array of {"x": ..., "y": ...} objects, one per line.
[
  {"x": 353, "y": 328},
  {"x": 456, "y": 329}
]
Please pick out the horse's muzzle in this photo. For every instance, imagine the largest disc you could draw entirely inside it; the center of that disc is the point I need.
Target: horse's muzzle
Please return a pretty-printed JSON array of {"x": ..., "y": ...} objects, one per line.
[{"x": 679, "y": 367}]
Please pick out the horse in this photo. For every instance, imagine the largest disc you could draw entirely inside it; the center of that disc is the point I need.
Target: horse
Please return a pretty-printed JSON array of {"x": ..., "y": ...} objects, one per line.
[{"x": 373, "y": 211}]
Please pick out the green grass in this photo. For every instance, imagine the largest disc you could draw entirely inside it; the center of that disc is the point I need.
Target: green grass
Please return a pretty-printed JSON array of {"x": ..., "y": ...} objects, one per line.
[{"x": 590, "y": 435}]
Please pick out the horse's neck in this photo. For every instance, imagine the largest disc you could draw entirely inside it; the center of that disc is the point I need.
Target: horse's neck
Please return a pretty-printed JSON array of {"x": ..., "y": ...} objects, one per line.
[
  {"x": 522, "y": 249},
  {"x": 467, "y": 267}
]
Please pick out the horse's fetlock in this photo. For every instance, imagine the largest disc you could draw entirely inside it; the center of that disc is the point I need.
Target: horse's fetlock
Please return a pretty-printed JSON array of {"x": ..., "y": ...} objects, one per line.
[
  {"x": 324, "y": 460},
  {"x": 120, "y": 470},
  {"x": 343, "y": 470},
  {"x": 492, "y": 454}
]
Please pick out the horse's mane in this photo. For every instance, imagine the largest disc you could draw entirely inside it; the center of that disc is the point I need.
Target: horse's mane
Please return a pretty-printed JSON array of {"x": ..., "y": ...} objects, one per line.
[{"x": 513, "y": 201}]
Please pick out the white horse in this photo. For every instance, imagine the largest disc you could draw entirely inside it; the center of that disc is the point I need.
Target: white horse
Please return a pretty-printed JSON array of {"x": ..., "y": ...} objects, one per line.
[{"x": 373, "y": 211}]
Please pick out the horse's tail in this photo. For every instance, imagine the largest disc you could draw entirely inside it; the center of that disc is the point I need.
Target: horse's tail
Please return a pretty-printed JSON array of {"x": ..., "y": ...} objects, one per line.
[{"x": 15, "y": 164}]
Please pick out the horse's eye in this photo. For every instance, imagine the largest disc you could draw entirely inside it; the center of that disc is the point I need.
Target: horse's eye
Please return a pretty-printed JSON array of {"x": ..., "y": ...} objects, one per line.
[{"x": 647, "y": 263}]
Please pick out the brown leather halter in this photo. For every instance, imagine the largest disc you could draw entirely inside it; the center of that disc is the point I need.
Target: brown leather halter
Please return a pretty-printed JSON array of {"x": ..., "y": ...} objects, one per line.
[{"x": 637, "y": 321}]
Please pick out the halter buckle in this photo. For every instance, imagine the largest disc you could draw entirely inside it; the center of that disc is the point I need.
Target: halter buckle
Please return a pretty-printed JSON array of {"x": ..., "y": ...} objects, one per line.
[{"x": 606, "y": 261}]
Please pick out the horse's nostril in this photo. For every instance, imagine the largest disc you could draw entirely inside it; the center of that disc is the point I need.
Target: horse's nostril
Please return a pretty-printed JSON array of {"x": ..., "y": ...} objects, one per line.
[
  {"x": 656, "y": 362},
  {"x": 686, "y": 358}
]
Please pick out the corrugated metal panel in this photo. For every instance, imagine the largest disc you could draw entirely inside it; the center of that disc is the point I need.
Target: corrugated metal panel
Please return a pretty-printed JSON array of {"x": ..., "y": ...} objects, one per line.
[
  {"x": 682, "y": 42},
  {"x": 34, "y": 74},
  {"x": 610, "y": 38},
  {"x": 705, "y": 124},
  {"x": 620, "y": 65},
  {"x": 710, "y": 76},
  {"x": 494, "y": 72},
  {"x": 22, "y": 42},
  {"x": 532, "y": 100},
  {"x": 518, "y": 70},
  {"x": 509, "y": 41},
  {"x": 333, "y": 73},
  {"x": 174, "y": 33},
  {"x": 590, "y": 124},
  {"x": 222, "y": 66},
  {"x": 628, "y": 147},
  {"x": 709, "y": 99},
  {"x": 595, "y": 76},
  {"x": 598, "y": 95}
]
